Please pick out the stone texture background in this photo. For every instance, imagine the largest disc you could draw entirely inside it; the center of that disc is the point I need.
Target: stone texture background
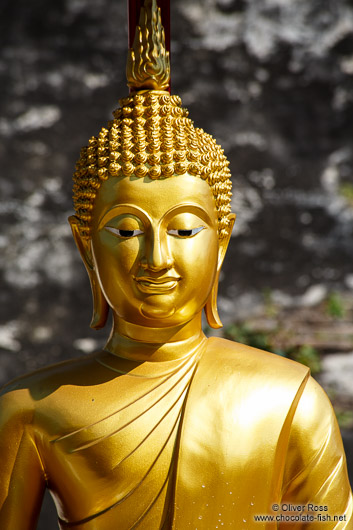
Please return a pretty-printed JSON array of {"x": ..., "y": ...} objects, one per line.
[{"x": 271, "y": 80}]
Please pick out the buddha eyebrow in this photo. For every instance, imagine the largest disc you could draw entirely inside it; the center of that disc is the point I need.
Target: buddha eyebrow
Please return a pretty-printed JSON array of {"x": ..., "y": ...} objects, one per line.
[
  {"x": 187, "y": 208},
  {"x": 121, "y": 209}
]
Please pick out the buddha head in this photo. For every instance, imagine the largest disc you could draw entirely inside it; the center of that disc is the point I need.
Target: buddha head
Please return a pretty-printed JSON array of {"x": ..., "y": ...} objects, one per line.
[{"x": 152, "y": 200}]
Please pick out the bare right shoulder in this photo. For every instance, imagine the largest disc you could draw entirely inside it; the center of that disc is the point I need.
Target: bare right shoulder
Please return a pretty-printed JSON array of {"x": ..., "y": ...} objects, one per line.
[
  {"x": 20, "y": 398},
  {"x": 16, "y": 405},
  {"x": 59, "y": 392}
]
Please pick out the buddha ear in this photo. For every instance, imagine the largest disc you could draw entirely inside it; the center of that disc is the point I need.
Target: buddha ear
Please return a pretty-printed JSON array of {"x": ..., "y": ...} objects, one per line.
[
  {"x": 83, "y": 244},
  {"x": 100, "y": 305},
  {"x": 211, "y": 309}
]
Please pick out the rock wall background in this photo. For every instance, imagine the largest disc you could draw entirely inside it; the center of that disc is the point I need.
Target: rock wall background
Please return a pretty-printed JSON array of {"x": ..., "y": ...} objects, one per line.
[{"x": 271, "y": 80}]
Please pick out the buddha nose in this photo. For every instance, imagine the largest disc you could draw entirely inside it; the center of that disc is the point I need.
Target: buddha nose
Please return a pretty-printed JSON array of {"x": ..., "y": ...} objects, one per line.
[{"x": 157, "y": 256}]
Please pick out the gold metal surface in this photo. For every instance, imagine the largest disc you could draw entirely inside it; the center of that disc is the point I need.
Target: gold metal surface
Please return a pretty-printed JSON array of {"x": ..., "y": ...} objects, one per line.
[
  {"x": 148, "y": 65},
  {"x": 164, "y": 428},
  {"x": 151, "y": 136}
]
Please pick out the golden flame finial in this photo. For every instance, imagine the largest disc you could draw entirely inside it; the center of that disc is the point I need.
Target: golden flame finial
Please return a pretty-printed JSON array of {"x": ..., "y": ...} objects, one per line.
[{"x": 148, "y": 65}]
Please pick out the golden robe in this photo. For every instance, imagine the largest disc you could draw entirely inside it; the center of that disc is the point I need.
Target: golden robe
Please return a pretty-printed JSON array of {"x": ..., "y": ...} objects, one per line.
[{"x": 228, "y": 437}]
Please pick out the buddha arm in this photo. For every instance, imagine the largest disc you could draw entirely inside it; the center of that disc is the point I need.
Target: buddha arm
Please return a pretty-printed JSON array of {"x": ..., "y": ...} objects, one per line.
[
  {"x": 22, "y": 480},
  {"x": 316, "y": 471}
]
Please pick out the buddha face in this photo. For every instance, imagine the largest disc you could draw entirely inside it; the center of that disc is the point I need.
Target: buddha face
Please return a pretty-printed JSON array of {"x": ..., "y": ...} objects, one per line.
[{"x": 155, "y": 248}]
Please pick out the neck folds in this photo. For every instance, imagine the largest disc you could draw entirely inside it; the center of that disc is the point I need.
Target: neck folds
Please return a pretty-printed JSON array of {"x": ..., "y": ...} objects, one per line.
[{"x": 141, "y": 344}]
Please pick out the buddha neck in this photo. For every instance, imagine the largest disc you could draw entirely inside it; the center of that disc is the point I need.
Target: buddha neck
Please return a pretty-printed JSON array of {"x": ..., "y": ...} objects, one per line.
[{"x": 140, "y": 343}]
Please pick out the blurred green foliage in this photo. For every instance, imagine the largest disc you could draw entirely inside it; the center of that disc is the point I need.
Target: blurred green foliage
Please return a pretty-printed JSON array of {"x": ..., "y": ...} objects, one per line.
[
  {"x": 243, "y": 333},
  {"x": 344, "y": 418},
  {"x": 335, "y": 306},
  {"x": 309, "y": 356},
  {"x": 271, "y": 308},
  {"x": 346, "y": 190}
]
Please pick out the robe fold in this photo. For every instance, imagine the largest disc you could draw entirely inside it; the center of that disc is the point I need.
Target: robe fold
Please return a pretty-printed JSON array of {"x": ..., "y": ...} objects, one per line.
[
  {"x": 227, "y": 437},
  {"x": 258, "y": 432}
]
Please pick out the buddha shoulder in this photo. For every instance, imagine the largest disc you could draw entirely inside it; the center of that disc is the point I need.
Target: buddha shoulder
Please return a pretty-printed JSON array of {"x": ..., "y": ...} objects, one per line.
[
  {"x": 233, "y": 358},
  {"x": 237, "y": 381},
  {"x": 238, "y": 373},
  {"x": 22, "y": 396}
]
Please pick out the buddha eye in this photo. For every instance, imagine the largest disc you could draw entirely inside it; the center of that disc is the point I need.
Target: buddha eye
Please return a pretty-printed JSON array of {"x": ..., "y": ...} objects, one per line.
[
  {"x": 123, "y": 234},
  {"x": 186, "y": 233}
]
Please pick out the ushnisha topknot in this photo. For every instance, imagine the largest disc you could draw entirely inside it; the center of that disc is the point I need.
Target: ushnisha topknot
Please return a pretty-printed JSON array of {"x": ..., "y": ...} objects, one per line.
[{"x": 151, "y": 136}]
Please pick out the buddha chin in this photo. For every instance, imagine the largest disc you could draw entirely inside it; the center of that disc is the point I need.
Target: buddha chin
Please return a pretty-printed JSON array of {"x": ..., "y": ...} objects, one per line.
[{"x": 154, "y": 308}]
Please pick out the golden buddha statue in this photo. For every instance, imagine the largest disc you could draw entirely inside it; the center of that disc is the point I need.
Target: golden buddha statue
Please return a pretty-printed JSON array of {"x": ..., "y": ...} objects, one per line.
[{"x": 165, "y": 428}]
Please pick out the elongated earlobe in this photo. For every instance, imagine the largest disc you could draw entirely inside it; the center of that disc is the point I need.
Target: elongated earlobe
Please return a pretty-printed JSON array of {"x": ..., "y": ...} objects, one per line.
[
  {"x": 100, "y": 305},
  {"x": 211, "y": 309}
]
